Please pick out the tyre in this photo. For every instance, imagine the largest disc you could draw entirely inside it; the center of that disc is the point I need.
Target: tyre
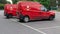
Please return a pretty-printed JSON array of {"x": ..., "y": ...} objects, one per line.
[
  {"x": 21, "y": 20},
  {"x": 51, "y": 17},
  {"x": 8, "y": 16},
  {"x": 26, "y": 19}
]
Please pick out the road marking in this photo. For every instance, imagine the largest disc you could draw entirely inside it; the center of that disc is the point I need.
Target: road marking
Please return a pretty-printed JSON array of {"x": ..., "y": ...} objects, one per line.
[
  {"x": 33, "y": 28},
  {"x": 50, "y": 27},
  {"x": 29, "y": 27}
]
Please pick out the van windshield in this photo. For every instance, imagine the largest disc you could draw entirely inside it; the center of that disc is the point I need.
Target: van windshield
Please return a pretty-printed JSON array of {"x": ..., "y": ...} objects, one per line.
[{"x": 43, "y": 8}]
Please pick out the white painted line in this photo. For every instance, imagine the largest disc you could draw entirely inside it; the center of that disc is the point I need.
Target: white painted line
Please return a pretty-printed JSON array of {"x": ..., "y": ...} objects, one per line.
[
  {"x": 33, "y": 28},
  {"x": 30, "y": 27},
  {"x": 50, "y": 27}
]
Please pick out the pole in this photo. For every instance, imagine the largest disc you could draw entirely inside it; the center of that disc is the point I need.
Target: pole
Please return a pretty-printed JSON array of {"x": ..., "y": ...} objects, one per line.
[{"x": 57, "y": 3}]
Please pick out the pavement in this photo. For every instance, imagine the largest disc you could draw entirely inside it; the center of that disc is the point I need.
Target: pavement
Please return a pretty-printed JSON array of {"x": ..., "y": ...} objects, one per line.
[{"x": 12, "y": 26}]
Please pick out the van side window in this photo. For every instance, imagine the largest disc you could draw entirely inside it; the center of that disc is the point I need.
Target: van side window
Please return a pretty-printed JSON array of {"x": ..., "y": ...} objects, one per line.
[{"x": 43, "y": 8}]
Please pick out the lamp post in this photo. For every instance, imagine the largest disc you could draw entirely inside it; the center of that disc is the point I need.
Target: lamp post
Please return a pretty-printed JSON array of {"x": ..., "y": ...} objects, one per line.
[{"x": 57, "y": 3}]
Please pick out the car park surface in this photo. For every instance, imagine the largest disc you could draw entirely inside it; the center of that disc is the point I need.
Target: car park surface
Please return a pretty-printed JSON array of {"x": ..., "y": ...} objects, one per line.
[{"x": 12, "y": 26}]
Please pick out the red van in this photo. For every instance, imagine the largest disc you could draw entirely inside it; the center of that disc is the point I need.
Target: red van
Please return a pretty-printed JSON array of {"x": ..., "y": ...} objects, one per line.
[
  {"x": 33, "y": 11},
  {"x": 10, "y": 10}
]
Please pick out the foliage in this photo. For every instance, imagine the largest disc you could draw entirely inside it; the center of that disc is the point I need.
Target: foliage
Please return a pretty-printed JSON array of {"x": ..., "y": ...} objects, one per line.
[
  {"x": 46, "y": 3},
  {"x": 1, "y": 6},
  {"x": 3, "y": 1},
  {"x": 14, "y": 1}
]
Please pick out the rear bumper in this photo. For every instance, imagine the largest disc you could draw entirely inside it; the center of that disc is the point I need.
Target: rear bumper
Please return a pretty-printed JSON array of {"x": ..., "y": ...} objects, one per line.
[{"x": 10, "y": 13}]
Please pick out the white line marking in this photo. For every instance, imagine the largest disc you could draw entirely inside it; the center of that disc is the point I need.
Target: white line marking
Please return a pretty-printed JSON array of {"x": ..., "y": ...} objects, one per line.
[
  {"x": 50, "y": 27},
  {"x": 30, "y": 27},
  {"x": 33, "y": 28}
]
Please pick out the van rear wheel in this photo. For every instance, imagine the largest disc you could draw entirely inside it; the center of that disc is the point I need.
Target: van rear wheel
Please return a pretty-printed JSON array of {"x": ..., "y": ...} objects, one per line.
[
  {"x": 8, "y": 16},
  {"x": 26, "y": 19}
]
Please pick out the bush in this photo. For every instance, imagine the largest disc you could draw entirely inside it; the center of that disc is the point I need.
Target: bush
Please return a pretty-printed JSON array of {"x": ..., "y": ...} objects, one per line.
[
  {"x": 46, "y": 3},
  {"x": 53, "y": 8},
  {"x": 1, "y": 6}
]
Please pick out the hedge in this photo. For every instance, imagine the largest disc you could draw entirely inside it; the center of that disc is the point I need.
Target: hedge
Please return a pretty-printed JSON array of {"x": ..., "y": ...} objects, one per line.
[{"x": 1, "y": 6}]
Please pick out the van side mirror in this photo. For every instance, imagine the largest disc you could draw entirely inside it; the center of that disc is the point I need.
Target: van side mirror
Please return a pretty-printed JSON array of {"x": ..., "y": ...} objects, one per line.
[{"x": 48, "y": 10}]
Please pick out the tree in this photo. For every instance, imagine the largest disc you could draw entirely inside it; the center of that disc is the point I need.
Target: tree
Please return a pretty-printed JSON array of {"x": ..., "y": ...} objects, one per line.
[
  {"x": 3, "y": 1},
  {"x": 53, "y": 2},
  {"x": 46, "y": 3},
  {"x": 15, "y": 1}
]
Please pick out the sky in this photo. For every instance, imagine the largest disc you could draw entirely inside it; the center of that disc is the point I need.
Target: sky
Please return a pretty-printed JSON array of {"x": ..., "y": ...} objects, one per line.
[{"x": 9, "y": 1}]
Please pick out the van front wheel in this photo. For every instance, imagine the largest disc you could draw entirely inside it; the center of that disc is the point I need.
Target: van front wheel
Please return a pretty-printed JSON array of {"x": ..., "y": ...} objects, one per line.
[{"x": 51, "y": 17}]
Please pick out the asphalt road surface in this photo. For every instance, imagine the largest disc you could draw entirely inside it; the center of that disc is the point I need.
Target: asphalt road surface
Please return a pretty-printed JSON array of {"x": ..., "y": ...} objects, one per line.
[{"x": 12, "y": 26}]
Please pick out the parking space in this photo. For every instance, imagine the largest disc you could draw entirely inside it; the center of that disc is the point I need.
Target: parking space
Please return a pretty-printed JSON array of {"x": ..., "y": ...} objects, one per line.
[
  {"x": 8, "y": 26},
  {"x": 48, "y": 27},
  {"x": 44, "y": 26}
]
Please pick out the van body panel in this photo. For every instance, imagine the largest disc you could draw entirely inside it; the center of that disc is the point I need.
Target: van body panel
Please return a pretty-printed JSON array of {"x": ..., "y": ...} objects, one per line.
[{"x": 32, "y": 9}]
